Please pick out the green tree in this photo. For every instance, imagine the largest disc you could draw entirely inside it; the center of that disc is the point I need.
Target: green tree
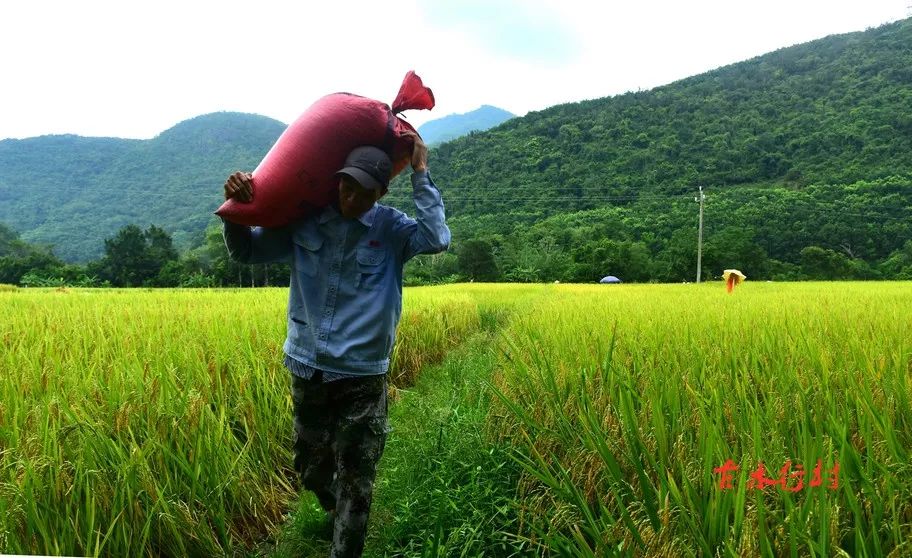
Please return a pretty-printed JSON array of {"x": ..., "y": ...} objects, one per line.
[
  {"x": 476, "y": 261},
  {"x": 823, "y": 263},
  {"x": 19, "y": 259},
  {"x": 629, "y": 260},
  {"x": 436, "y": 268},
  {"x": 676, "y": 260},
  {"x": 734, "y": 247},
  {"x": 135, "y": 258},
  {"x": 899, "y": 264},
  {"x": 160, "y": 245}
]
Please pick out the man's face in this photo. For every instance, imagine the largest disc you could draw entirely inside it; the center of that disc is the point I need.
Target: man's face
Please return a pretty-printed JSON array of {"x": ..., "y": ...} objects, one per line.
[{"x": 354, "y": 199}]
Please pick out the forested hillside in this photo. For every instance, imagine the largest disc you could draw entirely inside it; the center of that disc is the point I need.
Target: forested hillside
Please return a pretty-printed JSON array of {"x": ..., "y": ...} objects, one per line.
[
  {"x": 805, "y": 147},
  {"x": 805, "y": 156},
  {"x": 73, "y": 192}
]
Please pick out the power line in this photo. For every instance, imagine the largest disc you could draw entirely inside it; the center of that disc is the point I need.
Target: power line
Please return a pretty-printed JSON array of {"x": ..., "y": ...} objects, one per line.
[
  {"x": 452, "y": 198},
  {"x": 146, "y": 193},
  {"x": 502, "y": 200},
  {"x": 728, "y": 193}
]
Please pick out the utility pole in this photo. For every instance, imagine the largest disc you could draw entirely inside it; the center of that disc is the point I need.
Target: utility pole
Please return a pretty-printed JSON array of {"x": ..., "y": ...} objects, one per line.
[{"x": 700, "y": 199}]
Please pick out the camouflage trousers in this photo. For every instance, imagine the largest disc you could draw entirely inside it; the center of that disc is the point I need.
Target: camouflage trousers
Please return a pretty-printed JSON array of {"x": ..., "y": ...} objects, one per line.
[{"x": 340, "y": 430}]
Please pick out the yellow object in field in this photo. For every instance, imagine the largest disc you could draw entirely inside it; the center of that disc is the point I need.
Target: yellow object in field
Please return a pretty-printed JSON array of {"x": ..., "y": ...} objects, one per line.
[{"x": 732, "y": 278}]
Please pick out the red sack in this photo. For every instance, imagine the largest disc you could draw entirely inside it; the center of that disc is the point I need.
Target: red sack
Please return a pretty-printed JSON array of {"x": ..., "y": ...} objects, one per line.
[{"x": 297, "y": 176}]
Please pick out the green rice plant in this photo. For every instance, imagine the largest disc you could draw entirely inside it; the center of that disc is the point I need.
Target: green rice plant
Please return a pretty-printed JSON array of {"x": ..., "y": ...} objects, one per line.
[
  {"x": 443, "y": 488},
  {"x": 155, "y": 422},
  {"x": 426, "y": 333},
  {"x": 623, "y": 401},
  {"x": 437, "y": 319}
]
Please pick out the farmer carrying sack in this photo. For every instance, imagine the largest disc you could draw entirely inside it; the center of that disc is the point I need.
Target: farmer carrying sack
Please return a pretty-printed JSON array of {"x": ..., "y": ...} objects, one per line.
[{"x": 297, "y": 176}]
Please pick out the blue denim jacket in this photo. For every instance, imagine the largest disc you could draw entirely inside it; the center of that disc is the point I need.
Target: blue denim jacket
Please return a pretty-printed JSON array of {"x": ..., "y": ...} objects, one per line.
[{"x": 345, "y": 298}]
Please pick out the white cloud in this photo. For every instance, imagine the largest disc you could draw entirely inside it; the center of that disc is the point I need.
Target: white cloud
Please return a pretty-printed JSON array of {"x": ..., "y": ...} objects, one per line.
[{"x": 133, "y": 69}]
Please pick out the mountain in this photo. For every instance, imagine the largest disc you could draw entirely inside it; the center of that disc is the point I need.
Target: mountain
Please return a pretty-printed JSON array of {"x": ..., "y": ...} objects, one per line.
[
  {"x": 456, "y": 125},
  {"x": 72, "y": 192},
  {"x": 835, "y": 110},
  {"x": 809, "y": 145},
  {"x": 806, "y": 147}
]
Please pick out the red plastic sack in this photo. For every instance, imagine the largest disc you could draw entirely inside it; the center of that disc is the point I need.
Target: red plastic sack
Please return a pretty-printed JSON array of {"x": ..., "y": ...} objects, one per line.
[{"x": 297, "y": 176}]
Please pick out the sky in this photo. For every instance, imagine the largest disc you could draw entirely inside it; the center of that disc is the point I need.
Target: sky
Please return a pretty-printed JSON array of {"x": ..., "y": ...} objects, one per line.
[{"x": 135, "y": 68}]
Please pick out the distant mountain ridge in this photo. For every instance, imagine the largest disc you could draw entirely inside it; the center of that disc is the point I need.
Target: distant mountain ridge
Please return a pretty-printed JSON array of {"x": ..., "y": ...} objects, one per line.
[
  {"x": 808, "y": 146},
  {"x": 808, "y": 120},
  {"x": 834, "y": 110},
  {"x": 455, "y": 125}
]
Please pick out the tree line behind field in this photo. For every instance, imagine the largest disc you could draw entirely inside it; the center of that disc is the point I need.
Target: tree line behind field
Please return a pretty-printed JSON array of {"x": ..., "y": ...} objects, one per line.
[
  {"x": 788, "y": 240},
  {"x": 134, "y": 258},
  {"x": 805, "y": 156}
]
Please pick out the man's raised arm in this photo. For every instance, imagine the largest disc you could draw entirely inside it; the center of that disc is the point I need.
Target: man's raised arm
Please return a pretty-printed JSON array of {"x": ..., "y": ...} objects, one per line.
[
  {"x": 252, "y": 245},
  {"x": 428, "y": 232}
]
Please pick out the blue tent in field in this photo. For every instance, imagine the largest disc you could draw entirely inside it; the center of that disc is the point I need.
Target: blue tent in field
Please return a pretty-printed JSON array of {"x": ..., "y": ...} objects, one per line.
[{"x": 609, "y": 279}]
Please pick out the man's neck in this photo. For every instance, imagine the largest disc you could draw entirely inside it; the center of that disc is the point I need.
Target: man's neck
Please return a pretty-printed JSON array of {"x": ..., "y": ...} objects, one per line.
[{"x": 335, "y": 205}]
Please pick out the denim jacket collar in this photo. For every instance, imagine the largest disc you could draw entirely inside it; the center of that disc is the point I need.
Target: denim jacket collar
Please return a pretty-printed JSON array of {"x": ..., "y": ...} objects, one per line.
[{"x": 367, "y": 219}]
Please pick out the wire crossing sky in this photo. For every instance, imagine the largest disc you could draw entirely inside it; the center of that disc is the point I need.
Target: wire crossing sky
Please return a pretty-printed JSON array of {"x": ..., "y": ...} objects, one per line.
[{"x": 135, "y": 69}]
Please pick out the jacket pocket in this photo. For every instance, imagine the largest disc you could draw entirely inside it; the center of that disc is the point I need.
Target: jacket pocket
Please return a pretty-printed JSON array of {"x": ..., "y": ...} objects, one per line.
[
  {"x": 307, "y": 245},
  {"x": 371, "y": 267}
]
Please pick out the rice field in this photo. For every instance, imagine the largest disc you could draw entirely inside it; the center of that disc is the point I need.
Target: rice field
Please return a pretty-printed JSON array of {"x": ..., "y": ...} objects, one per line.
[
  {"x": 156, "y": 422},
  {"x": 625, "y": 405}
]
